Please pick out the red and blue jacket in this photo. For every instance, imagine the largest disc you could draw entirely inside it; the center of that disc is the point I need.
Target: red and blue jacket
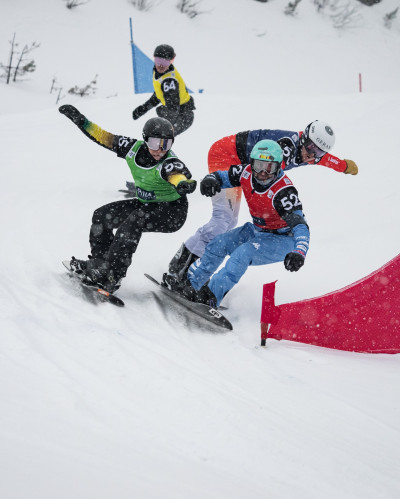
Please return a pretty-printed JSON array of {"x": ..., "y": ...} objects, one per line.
[{"x": 275, "y": 208}]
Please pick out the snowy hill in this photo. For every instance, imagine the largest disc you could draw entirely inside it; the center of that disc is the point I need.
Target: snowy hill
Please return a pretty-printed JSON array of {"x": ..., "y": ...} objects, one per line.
[{"x": 145, "y": 401}]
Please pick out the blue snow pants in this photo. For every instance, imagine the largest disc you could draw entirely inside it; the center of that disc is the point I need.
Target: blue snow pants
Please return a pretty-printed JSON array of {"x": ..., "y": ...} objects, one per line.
[{"x": 246, "y": 246}]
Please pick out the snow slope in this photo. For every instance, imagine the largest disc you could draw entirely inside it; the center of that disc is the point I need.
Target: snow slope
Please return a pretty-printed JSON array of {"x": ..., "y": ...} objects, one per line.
[{"x": 146, "y": 401}]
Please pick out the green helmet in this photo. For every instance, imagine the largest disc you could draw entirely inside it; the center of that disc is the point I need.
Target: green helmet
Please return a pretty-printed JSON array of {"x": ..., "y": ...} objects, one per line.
[
  {"x": 266, "y": 161},
  {"x": 267, "y": 150}
]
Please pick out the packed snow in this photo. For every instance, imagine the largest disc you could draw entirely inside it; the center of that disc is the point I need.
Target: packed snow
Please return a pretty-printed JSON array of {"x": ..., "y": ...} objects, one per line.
[{"x": 148, "y": 401}]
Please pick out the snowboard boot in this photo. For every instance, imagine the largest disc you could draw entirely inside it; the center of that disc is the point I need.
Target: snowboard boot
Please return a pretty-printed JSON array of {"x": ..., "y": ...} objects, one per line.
[
  {"x": 206, "y": 296},
  {"x": 172, "y": 282},
  {"x": 79, "y": 266},
  {"x": 188, "y": 291},
  {"x": 183, "y": 259},
  {"x": 103, "y": 277}
]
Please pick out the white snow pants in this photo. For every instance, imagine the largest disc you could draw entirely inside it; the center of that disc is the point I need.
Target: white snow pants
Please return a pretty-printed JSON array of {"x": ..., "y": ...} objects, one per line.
[{"x": 225, "y": 212}]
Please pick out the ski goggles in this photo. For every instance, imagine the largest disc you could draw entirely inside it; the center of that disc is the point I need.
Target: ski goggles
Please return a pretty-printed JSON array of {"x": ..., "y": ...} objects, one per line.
[
  {"x": 155, "y": 143},
  {"x": 311, "y": 148},
  {"x": 269, "y": 167},
  {"x": 159, "y": 61}
]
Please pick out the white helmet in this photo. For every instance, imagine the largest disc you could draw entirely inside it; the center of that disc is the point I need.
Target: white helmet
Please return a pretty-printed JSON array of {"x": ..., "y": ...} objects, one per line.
[{"x": 321, "y": 134}]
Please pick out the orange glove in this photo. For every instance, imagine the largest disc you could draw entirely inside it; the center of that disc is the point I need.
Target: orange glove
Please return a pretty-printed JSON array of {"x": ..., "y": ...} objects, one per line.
[{"x": 352, "y": 168}]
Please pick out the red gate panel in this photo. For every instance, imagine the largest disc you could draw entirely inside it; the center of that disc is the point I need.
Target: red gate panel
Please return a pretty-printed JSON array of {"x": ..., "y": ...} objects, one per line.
[{"x": 362, "y": 317}]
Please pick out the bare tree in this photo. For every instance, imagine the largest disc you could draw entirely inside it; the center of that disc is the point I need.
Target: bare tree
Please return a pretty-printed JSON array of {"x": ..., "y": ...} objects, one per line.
[
  {"x": 143, "y": 5},
  {"x": 88, "y": 89},
  {"x": 189, "y": 7},
  {"x": 56, "y": 88},
  {"x": 12, "y": 52},
  {"x": 23, "y": 64},
  {"x": 344, "y": 13},
  {"x": 291, "y": 7},
  {"x": 389, "y": 17},
  {"x": 321, "y": 4},
  {"x": 71, "y": 4}
]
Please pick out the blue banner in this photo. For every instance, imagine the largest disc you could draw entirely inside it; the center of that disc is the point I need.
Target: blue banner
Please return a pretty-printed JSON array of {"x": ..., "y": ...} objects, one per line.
[{"x": 143, "y": 70}]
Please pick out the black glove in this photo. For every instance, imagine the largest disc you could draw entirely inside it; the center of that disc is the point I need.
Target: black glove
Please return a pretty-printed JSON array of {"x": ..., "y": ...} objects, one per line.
[
  {"x": 138, "y": 112},
  {"x": 73, "y": 114},
  {"x": 186, "y": 187},
  {"x": 210, "y": 185},
  {"x": 293, "y": 261}
]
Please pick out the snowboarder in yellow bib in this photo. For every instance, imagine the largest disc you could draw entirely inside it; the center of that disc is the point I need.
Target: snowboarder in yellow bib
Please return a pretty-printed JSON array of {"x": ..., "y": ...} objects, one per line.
[{"x": 170, "y": 91}]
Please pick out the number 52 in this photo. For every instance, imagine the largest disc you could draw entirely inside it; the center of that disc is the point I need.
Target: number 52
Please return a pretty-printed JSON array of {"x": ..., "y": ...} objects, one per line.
[{"x": 289, "y": 202}]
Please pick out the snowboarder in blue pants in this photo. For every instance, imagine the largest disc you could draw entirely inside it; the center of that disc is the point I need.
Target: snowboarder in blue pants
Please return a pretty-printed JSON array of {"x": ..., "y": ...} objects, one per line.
[{"x": 279, "y": 231}]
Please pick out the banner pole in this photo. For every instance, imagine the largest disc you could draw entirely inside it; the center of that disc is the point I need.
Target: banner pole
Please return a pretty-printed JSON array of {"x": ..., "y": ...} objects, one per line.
[{"x": 133, "y": 57}]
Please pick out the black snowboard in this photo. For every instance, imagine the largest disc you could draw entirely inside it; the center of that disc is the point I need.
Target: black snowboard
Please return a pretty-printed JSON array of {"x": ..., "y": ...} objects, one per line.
[
  {"x": 200, "y": 309},
  {"x": 99, "y": 293}
]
